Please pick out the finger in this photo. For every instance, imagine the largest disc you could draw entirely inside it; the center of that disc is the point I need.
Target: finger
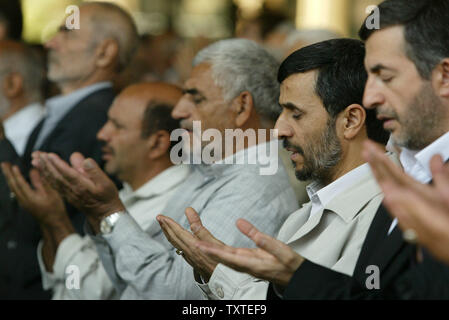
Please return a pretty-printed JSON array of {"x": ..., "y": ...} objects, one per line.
[
  {"x": 440, "y": 174},
  {"x": 50, "y": 173},
  {"x": 77, "y": 160},
  {"x": 173, "y": 233},
  {"x": 94, "y": 174},
  {"x": 388, "y": 173},
  {"x": 7, "y": 172},
  {"x": 22, "y": 189},
  {"x": 415, "y": 212},
  {"x": 229, "y": 256},
  {"x": 275, "y": 247},
  {"x": 382, "y": 167},
  {"x": 36, "y": 180},
  {"x": 67, "y": 175},
  {"x": 197, "y": 227}
]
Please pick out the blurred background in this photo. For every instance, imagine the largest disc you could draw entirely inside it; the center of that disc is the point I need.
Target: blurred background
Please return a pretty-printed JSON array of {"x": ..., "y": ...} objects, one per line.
[{"x": 172, "y": 31}]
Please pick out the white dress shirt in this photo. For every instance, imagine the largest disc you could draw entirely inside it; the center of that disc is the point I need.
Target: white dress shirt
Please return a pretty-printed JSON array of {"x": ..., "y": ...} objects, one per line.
[
  {"x": 417, "y": 163},
  {"x": 144, "y": 267},
  {"x": 329, "y": 230},
  {"x": 19, "y": 126},
  {"x": 143, "y": 205}
]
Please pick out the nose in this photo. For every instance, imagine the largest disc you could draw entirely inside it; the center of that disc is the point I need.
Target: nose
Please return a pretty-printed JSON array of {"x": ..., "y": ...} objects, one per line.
[
  {"x": 283, "y": 127},
  {"x": 105, "y": 132},
  {"x": 372, "y": 96},
  {"x": 182, "y": 109},
  {"x": 52, "y": 43}
]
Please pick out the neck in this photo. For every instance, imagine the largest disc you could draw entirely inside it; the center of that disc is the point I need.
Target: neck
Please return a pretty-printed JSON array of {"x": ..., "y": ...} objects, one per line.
[
  {"x": 350, "y": 160},
  {"x": 68, "y": 87},
  {"x": 249, "y": 138},
  {"x": 143, "y": 176},
  {"x": 15, "y": 107}
]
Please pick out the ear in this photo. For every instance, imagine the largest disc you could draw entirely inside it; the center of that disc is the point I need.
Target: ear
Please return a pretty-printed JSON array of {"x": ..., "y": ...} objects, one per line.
[
  {"x": 13, "y": 85},
  {"x": 107, "y": 53},
  {"x": 158, "y": 144},
  {"x": 440, "y": 79},
  {"x": 351, "y": 121},
  {"x": 243, "y": 106}
]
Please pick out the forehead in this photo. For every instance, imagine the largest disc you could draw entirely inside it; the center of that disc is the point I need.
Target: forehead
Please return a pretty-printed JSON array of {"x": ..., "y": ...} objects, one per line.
[
  {"x": 85, "y": 19},
  {"x": 386, "y": 47},
  {"x": 299, "y": 89},
  {"x": 127, "y": 108},
  {"x": 202, "y": 80}
]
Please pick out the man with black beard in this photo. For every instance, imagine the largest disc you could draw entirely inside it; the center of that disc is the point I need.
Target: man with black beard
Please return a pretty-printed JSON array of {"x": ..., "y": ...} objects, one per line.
[
  {"x": 408, "y": 86},
  {"x": 324, "y": 125}
]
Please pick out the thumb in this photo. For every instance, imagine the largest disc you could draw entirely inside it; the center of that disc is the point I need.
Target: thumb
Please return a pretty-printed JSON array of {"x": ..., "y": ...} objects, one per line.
[
  {"x": 36, "y": 180},
  {"x": 77, "y": 160},
  {"x": 93, "y": 171},
  {"x": 197, "y": 227}
]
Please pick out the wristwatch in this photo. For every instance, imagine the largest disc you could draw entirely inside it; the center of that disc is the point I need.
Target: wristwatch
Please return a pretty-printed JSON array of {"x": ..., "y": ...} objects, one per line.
[{"x": 108, "y": 223}]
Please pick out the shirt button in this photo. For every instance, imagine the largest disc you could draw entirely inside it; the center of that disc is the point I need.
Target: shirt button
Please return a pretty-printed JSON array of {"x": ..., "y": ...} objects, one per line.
[
  {"x": 11, "y": 245},
  {"x": 220, "y": 292}
]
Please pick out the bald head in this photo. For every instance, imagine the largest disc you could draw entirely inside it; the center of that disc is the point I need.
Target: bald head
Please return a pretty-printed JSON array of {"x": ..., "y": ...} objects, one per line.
[
  {"x": 137, "y": 134},
  {"x": 158, "y": 91},
  {"x": 110, "y": 21}
]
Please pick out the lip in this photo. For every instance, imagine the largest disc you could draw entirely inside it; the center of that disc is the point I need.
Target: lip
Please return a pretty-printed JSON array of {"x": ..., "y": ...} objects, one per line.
[{"x": 294, "y": 156}]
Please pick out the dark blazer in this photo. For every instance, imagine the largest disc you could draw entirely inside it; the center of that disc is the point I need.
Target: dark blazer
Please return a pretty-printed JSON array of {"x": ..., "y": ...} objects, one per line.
[
  {"x": 401, "y": 276},
  {"x": 19, "y": 233}
]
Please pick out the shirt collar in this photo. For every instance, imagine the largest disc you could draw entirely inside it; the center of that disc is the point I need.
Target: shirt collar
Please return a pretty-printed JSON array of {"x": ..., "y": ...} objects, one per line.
[
  {"x": 417, "y": 163},
  {"x": 162, "y": 183},
  {"x": 62, "y": 103},
  {"x": 346, "y": 195},
  {"x": 259, "y": 154},
  {"x": 33, "y": 110}
]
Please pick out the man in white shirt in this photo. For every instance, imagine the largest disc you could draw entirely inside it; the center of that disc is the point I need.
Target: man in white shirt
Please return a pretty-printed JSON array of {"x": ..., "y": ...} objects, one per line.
[
  {"x": 137, "y": 150},
  {"x": 232, "y": 86},
  {"x": 323, "y": 125},
  {"x": 21, "y": 79}
]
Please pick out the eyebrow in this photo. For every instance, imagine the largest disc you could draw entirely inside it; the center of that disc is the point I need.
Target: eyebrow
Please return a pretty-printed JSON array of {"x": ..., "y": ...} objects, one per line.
[
  {"x": 379, "y": 67},
  {"x": 192, "y": 91},
  {"x": 115, "y": 122},
  {"x": 289, "y": 106}
]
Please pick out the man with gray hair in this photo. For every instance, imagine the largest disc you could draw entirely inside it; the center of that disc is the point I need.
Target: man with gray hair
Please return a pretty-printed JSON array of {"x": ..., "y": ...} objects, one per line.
[
  {"x": 83, "y": 63},
  {"x": 21, "y": 79},
  {"x": 232, "y": 86}
]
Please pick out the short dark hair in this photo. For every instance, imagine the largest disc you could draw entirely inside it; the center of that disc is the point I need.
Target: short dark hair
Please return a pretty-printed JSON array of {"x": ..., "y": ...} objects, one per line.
[
  {"x": 11, "y": 14},
  {"x": 157, "y": 116},
  {"x": 426, "y": 30},
  {"x": 341, "y": 77}
]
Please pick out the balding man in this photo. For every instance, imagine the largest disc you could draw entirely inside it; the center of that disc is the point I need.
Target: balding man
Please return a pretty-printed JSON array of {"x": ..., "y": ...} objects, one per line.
[
  {"x": 137, "y": 150},
  {"x": 21, "y": 82},
  {"x": 83, "y": 63}
]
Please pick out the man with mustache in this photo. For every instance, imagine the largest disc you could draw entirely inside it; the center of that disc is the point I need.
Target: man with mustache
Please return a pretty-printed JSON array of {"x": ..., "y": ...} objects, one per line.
[
  {"x": 232, "y": 86},
  {"x": 323, "y": 125},
  {"x": 83, "y": 63},
  {"x": 408, "y": 85},
  {"x": 137, "y": 151}
]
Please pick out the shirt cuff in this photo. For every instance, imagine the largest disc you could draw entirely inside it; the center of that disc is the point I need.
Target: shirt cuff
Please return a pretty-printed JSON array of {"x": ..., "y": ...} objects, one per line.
[
  {"x": 225, "y": 283},
  {"x": 124, "y": 229},
  {"x": 49, "y": 280}
]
